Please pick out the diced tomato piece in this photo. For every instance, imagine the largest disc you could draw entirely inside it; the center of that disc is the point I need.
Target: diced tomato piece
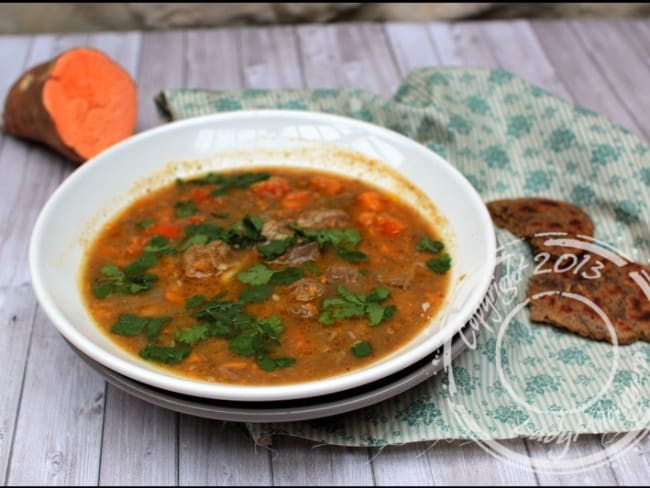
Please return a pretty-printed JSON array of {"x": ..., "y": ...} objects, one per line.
[
  {"x": 273, "y": 187},
  {"x": 389, "y": 226},
  {"x": 296, "y": 200},
  {"x": 170, "y": 231},
  {"x": 200, "y": 195},
  {"x": 371, "y": 200},
  {"x": 326, "y": 184}
]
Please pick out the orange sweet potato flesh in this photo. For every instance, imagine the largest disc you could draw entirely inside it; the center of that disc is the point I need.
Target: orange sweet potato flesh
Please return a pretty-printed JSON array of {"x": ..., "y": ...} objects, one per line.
[{"x": 79, "y": 104}]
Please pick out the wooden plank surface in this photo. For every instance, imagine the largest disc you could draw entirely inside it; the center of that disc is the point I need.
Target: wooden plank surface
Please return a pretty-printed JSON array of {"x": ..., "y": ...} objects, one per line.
[{"x": 88, "y": 433}]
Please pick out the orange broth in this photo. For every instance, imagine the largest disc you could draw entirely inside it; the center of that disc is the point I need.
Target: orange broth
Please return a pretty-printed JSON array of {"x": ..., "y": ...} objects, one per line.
[{"x": 361, "y": 280}]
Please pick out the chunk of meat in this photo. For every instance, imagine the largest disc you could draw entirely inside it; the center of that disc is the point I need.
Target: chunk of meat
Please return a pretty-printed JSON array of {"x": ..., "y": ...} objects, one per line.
[
  {"x": 306, "y": 290},
  {"x": 327, "y": 218},
  {"x": 343, "y": 274},
  {"x": 206, "y": 260},
  {"x": 401, "y": 279},
  {"x": 276, "y": 230},
  {"x": 299, "y": 254}
]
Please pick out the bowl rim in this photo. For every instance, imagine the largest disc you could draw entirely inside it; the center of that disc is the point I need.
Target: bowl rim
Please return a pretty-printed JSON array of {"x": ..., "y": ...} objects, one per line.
[{"x": 226, "y": 391}]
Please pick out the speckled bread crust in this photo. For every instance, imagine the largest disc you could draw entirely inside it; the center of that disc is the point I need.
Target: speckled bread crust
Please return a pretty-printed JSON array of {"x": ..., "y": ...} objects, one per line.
[
  {"x": 614, "y": 291},
  {"x": 526, "y": 217}
]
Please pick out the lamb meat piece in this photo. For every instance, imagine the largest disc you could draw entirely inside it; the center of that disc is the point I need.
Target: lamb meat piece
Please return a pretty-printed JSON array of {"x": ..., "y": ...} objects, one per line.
[
  {"x": 327, "y": 218},
  {"x": 277, "y": 230},
  {"x": 343, "y": 274},
  {"x": 206, "y": 260},
  {"x": 306, "y": 290},
  {"x": 299, "y": 254}
]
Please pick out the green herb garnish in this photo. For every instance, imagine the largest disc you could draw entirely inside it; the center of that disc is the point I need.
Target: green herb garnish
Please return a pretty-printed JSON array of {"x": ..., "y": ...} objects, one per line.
[
  {"x": 351, "y": 255},
  {"x": 353, "y": 305},
  {"x": 191, "y": 335},
  {"x": 167, "y": 355},
  {"x": 130, "y": 280},
  {"x": 256, "y": 275},
  {"x": 242, "y": 234},
  {"x": 330, "y": 237},
  {"x": 311, "y": 268},
  {"x": 440, "y": 265},
  {"x": 271, "y": 364},
  {"x": 262, "y": 275},
  {"x": 361, "y": 349},
  {"x": 225, "y": 183},
  {"x": 275, "y": 248},
  {"x": 286, "y": 276},
  {"x": 143, "y": 224},
  {"x": 255, "y": 294},
  {"x": 194, "y": 301},
  {"x": 430, "y": 245},
  {"x": 160, "y": 245},
  {"x": 185, "y": 208},
  {"x": 133, "y": 325}
]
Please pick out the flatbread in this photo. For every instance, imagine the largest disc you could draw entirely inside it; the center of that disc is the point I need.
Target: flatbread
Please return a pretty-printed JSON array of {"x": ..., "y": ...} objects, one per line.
[
  {"x": 614, "y": 291},
  {"x": 525, "y": 217}
]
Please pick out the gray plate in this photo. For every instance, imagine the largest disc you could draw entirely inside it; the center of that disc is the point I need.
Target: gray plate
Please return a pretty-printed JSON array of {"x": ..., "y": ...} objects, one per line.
[{"x": 286, "y": 411}]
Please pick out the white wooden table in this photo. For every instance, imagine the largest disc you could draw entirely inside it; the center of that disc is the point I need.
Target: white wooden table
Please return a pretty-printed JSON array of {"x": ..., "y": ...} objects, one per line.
[{"x": 60, "y": 423}]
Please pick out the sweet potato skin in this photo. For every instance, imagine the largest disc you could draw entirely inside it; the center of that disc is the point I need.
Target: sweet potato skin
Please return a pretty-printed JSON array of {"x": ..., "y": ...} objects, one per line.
[{"x": 26, "y": 114}]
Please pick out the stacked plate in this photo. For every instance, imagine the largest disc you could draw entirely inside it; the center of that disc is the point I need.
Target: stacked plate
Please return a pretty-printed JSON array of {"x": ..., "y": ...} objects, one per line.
[
  {"x": 103, "y": 185},
  {"x": 291, "y": 410}
]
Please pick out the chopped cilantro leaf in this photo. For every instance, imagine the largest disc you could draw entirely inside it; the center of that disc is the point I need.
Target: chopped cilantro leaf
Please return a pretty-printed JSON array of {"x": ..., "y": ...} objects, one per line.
[
  {"x": 256, "y": 275},
  {"x": 428, "y": 244},
  {"x": 310, "y": 268},
  {"x": 141, "y": 264},
  {"x": 167, "y": 355},
  {"x": 132, "y": 279},
  {"x": 440, "y": 265},
  {"x": 225, "y": 183},
  {"x": 255, "y": 294},
  {"x": 352, "y": 305},
  {"x": 332, "y": 237},
  {"x": 132, "y": 325},
  {"x": 275, "y": 248},
  {"x": 191, "y": 335},
  {"x": 159, "y": 245},
  {"x": 378, "y": 294},
  {"x": 194, "y": 301},
  {"x": 262, "y": 275},
  {"x": 246, "y": 345},
  {"x": 129, "y": 325},
  {"x": 271, "y": 364},
  {"x": 351, "y": 255},
  {"x": 361, "y": 349},
  {"x": 286, "y": 276},
  {"x": 143, "y": 224},
  {"x": 185, "y": 208},
  {"x": 195, "y": 239}
]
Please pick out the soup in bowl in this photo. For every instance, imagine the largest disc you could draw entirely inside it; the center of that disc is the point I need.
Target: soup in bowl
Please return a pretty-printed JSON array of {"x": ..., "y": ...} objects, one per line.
[{"x": 262, "y": 256}]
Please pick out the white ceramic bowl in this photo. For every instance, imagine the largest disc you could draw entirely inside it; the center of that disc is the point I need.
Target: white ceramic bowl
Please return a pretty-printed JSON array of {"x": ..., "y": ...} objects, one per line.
[{"x": 93, "y": 193}]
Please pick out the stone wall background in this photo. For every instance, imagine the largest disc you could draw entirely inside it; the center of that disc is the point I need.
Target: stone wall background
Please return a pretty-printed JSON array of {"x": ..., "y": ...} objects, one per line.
[{"x": 67, "y": 17}]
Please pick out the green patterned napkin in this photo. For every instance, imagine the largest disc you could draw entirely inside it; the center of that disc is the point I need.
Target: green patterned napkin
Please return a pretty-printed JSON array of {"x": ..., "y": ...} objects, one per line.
[{"x": 510, "y": 139}]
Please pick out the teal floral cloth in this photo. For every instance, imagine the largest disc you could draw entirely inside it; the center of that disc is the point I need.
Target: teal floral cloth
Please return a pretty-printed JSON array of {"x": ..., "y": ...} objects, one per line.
[{"x": 510, "y": 139}]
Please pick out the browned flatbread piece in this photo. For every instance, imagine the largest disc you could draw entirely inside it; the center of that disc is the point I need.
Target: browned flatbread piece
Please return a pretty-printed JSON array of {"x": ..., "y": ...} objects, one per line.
[
  {"x": 614, "y": 291},
  {"x": 526, "y": 217}
]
